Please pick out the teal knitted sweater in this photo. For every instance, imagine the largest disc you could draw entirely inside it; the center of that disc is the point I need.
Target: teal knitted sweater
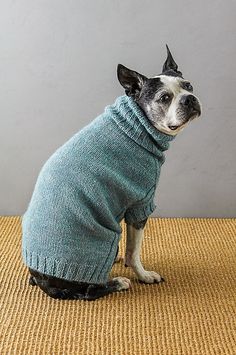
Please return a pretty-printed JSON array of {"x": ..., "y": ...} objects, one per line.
[{"x": 106, "y": 172}]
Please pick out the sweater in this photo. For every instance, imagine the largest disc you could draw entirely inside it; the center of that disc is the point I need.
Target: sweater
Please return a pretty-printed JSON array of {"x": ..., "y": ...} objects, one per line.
[{"x": 106, "y": 172}]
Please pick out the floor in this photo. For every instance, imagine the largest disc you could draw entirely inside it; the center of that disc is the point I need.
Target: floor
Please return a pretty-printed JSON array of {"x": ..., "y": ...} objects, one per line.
[{"x": 192, "y": 312}]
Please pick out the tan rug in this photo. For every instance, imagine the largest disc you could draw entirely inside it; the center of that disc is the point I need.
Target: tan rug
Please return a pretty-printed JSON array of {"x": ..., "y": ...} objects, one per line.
[{"x": 193, "y": 312}]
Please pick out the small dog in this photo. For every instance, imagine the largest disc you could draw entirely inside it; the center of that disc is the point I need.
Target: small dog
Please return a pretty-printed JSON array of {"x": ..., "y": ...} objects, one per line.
[{"x": 156, "y": 110}]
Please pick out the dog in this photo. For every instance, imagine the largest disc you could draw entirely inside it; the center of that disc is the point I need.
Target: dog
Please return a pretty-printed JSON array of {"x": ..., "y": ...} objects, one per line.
[{"x": 156, "y": 109}]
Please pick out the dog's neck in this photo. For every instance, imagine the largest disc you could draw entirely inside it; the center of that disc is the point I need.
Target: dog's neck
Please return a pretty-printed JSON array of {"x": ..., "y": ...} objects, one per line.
[{"x": 133, "y": 121}]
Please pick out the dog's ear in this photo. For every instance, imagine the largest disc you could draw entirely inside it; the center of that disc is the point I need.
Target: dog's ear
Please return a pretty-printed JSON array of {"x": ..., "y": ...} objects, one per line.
[
  {"x": 169, "y": 63},
  {"x": 131, "y": 80}
]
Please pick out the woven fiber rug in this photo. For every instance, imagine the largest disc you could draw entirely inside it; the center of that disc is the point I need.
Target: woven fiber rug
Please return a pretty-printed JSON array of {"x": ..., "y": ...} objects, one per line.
[{"x": 193, "y": 312}]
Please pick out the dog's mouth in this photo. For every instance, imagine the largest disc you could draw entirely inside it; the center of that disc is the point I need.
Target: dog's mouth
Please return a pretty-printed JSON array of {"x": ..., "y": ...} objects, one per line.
[
  {"x": 173, "y": 128},
  {"x": 194, "y": 113}
]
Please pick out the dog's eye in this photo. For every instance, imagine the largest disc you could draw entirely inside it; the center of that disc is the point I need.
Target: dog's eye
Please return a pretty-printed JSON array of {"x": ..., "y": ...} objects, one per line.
[
  {"x": 165, "y": 98},
  {"x": 188, "y": 86}
]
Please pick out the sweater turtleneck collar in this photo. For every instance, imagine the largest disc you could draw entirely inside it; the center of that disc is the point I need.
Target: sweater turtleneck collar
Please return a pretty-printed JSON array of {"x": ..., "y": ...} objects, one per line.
[{"x": 132, "y": 120}]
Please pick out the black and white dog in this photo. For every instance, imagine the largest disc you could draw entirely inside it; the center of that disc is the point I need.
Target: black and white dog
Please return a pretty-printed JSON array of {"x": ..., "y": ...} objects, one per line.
[{"x": 168, "y": 102}]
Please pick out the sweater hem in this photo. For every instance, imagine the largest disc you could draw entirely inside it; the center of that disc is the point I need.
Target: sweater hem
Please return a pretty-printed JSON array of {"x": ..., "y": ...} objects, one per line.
[
  {"x": 71, "y": 271},
  {"x": 139, "y": 214}
]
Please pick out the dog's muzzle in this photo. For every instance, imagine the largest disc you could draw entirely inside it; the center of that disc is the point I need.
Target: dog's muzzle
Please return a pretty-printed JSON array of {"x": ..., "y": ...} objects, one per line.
[{"x": 191, "y": 105}]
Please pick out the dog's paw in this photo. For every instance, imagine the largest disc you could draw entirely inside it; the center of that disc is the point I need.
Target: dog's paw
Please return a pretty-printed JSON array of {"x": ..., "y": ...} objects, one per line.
[
  {"x": 122, "y": 283},
  {"x": 150, "y": 277}
]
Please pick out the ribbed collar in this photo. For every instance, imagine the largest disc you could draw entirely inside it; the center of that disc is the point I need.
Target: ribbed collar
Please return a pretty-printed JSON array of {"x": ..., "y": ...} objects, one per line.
[{"x": 132, "y": 120}]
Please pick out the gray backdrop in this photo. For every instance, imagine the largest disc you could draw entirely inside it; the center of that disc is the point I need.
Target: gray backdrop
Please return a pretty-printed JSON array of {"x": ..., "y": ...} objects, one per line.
[{"x": 58, "y": 70}]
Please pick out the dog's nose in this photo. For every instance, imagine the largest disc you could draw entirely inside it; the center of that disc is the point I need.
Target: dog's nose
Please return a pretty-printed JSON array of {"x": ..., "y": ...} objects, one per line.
[
  {"x": 188, "y": 100},
  {"x": 191, "y": 104}
]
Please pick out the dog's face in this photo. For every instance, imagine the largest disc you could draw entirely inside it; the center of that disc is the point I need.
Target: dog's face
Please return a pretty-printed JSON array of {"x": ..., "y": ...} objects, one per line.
[{"x": 166, "y": 99}]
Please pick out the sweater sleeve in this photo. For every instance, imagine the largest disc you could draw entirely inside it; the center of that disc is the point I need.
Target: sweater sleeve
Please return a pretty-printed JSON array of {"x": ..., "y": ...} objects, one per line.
[{"x": 142, "y": 210}]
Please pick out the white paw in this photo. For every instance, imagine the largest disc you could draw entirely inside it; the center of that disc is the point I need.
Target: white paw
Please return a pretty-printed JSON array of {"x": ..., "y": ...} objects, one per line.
[
  {"x": 123, "y": 283},
  {"x": 150, "y": 277}
]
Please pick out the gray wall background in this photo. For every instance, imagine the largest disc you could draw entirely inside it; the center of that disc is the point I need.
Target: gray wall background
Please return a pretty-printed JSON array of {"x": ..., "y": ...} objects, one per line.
[{"x": 58, "y": 70}]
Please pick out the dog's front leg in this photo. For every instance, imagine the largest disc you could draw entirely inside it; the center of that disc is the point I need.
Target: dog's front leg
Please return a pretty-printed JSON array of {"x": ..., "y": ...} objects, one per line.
[{"x": 134, "y": 237}]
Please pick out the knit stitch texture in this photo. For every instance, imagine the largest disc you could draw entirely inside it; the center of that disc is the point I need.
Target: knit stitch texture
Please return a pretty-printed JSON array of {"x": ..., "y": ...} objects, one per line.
[{"x": 106, "y": 172}]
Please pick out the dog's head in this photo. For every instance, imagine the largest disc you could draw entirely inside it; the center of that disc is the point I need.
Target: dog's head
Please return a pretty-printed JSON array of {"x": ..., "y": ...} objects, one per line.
[{"x": 166, "y": 99}]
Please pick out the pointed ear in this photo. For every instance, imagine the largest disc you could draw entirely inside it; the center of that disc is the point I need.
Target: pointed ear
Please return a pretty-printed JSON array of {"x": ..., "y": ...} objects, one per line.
[
  {"x": 130, "y": 80},
  {"x": 169, "y": 63}
]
